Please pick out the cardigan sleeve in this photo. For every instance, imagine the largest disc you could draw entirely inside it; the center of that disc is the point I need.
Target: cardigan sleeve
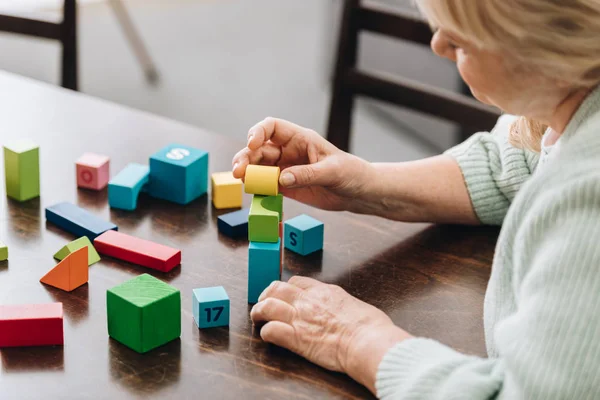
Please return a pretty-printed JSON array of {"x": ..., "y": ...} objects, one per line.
[
  {"x": 548, "y": 348},
  {"x": 493, "y": 170}
]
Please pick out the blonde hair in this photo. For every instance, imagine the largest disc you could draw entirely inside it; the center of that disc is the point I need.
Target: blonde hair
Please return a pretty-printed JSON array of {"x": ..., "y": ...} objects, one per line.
[{"x": 559, "y": 39}]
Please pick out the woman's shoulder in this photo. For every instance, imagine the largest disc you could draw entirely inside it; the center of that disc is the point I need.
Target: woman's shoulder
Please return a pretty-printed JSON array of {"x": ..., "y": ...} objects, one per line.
[{"x": 572, "y": 176}]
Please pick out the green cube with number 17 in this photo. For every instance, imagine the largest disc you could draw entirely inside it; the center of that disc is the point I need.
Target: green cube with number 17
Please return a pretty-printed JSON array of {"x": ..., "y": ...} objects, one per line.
[{"x": 211, "y": 307}]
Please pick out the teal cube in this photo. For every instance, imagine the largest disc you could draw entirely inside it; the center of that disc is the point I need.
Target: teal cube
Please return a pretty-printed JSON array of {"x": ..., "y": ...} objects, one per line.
[
  {"x": 144, "y": 313},
  {"x": 124, "y": 189},
  {"x": 263, "y": 267},
  {"x": 178, "y": 173},
  {"x": 303, "y": 234},
  {"x": 211, "y": 307}
]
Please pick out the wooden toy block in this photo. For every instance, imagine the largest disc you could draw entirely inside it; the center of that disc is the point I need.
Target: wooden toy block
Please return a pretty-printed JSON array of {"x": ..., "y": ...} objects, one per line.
[
  {"x": 211, "y": 307},
  {"x": 31, "y": 325},
  {"x": 22, "y": 170},
  {"x": 226, "y": 190},
  {"x": 143, "y": 313},
  {"x": 234, "y": 224},
  {"x": 263, "y": 267},
  {"x": 304, "y": 235},
  {"x": 262, "y": 180},
  {"x": 93, "y": 171},
  {"x": 263, "y": 221},
  {"x": 3, "y": 252},
  {"x": 280, "y": 247},
  {"x": 75, "y": 245},
  {"x": 77, "y": 221},
  {"x": 124, "y": 189},
  {"x": 178, "y": 174},
  {"x": 70, "y": 273},
  {"x": 138, "y": 251}
]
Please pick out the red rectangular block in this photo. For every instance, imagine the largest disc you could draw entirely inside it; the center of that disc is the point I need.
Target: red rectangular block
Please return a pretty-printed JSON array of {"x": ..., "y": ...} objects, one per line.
[
  {"x": 31, "y": 325},
  {"x": 137, "y": 251}
]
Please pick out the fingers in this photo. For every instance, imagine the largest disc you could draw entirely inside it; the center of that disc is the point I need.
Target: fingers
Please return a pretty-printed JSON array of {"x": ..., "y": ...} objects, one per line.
[
  {"x": 322, "y": 173},
  {"x": 272, "y": 309},
  {"x": 268, "y": 154},
  {"x": 279, "y": 131},
  {"x": 282, "y": 291},
  {"x": 280, "y": 334},
  {"x": 303, "y": 282}
]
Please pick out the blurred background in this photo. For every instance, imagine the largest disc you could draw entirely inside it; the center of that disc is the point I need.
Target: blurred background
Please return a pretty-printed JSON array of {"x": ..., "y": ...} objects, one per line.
[{"x": 225, "y": 64}]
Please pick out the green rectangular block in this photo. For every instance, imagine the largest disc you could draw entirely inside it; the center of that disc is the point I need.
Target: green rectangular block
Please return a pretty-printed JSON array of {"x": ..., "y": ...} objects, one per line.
[
  {"x": 77, "y": 244},
  {"x": 264, "y": 217},
  {"x": 144, "y": 313},
  {"x": 3, "y": 252},
  {"x": 22, "y": 170}
]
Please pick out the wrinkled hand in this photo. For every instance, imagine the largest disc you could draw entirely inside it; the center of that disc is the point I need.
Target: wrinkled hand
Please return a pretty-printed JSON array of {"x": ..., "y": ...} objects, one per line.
[
  {"x": 313, "y": 170},
  {"x": 326, "y": 325}
]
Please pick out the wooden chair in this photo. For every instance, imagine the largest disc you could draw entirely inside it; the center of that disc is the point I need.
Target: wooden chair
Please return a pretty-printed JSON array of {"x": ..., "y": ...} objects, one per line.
[
  {"x": 65, "y": 32},
  {"x": 349, "y": 81}
]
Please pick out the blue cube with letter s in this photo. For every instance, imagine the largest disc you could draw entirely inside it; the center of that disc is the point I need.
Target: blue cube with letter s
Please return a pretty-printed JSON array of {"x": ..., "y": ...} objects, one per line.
[
  {"x": 304, "y": 235},
  {"x": 178, "y": 173}
]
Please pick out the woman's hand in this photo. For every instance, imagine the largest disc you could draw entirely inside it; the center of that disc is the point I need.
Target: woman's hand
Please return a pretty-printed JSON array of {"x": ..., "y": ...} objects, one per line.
[
  {"x": 326, "y": 325},
  {"x": 313, "y": 170}
]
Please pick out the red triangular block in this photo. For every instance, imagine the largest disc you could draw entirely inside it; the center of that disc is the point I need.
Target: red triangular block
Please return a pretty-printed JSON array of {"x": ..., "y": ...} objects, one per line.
[{"x": 70, "y": 273}]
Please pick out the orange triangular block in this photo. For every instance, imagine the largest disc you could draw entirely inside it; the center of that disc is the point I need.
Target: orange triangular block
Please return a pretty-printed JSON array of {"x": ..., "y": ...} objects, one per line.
[{"x": 70, "y": 273}]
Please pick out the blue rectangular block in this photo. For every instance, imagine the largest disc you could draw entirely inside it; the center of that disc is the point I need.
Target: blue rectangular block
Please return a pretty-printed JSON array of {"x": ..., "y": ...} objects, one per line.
[
  {"x": 124, "y": 189},
  {"x": 211, "y": 307},
  {"x": 234, "y": 224},
  {"x": 78, "y": 221},
  {"x": 304, "y": 235},
  {"x": 178, "y": 173},
  {"x": 263, "y": 267}
]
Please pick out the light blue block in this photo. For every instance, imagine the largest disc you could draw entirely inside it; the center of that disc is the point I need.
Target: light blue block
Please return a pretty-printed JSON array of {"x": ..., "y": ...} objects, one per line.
[
  {"x": 124, "y": 189},
  {"x": 303, "y": 234},
  {"x": 263, "y": 267},
  {"x": 178, "y": 173},
  {"x": 211, "y": 307}
]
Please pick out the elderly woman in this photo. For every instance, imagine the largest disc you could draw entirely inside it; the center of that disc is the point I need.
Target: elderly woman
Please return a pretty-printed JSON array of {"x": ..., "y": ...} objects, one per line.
[{"x": 537, "y": 174}]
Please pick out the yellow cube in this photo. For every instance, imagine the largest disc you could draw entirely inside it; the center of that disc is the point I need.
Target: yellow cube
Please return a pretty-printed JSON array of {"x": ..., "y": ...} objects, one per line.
[
  {"x": 226, "y": 190},
  {"x": 262, "y": 180}
]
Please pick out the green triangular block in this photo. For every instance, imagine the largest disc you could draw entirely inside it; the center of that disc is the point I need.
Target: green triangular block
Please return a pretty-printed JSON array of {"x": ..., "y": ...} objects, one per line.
[{"x": 93, "y": 256}]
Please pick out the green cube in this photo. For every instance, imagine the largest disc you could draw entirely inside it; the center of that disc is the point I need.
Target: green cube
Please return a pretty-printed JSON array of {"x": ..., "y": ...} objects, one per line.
[
  {"x": 264, "y": 217},
  {"x": 22, "y": 170},
  {"x": 3, "y": 252},
  {"x": 77, "y": 244},
  {"x": 144, "y": 313}
]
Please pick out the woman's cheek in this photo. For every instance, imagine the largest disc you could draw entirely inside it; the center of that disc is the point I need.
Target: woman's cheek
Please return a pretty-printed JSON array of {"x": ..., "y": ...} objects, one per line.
[{"x": 476, "y": 82}]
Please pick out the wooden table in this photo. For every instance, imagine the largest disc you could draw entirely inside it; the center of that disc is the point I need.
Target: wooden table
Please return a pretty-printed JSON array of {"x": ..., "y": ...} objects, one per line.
[{"x": 429, "y": 279}]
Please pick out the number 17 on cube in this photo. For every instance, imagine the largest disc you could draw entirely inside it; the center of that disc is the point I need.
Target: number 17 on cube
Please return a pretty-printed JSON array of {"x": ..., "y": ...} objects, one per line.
[{"x": 211, "y": 307}]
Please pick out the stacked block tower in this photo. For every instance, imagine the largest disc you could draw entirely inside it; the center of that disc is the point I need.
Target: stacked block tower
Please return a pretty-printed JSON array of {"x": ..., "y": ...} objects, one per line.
[{"x": 264, "y": 228}]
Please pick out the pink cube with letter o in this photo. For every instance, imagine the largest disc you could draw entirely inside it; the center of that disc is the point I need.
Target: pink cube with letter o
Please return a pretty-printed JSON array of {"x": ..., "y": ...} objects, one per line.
[{"x": 93, "y": 171}]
